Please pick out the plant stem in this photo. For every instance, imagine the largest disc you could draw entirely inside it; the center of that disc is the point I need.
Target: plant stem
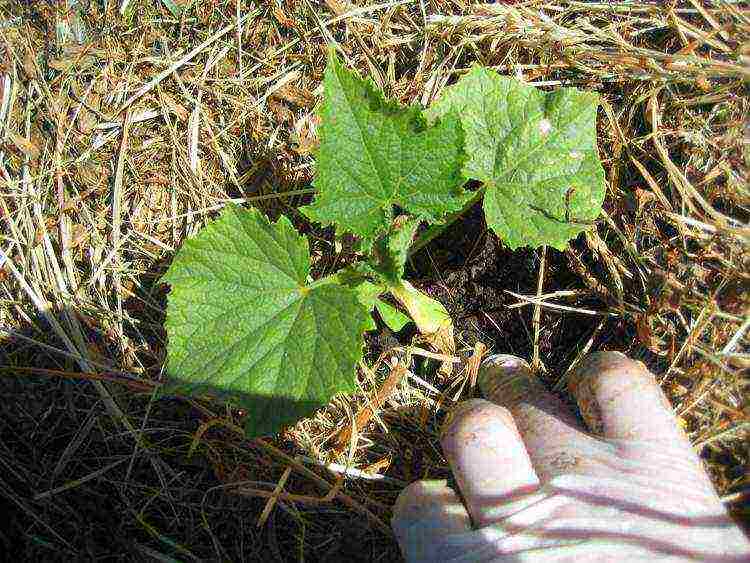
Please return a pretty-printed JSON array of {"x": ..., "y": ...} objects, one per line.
[{"x": 438, "y": 229}]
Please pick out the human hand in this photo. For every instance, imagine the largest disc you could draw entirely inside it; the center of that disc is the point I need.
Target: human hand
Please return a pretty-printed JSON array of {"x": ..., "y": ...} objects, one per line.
[{"x": 537, "y": 486}]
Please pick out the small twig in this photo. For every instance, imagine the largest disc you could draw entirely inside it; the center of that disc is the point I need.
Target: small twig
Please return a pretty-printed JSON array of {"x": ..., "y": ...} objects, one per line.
[
  {"x": 427, "y": 354},
  {"x": 352, "y": 472},
  {"x": 536, "y": 321},
  {"x": 329, "y": 497},
  {"x": 117, "y": 222},
  {"x": 551, "y": 295},
  {"x": 78, "y": 482},
  {"x": 347, "y": 500},
  {"x": 63, "y": 220},
  {"x": 275, "y": 496},
  {"x": 137, "y": 385},
  {"x": 531, "y": 300},
  {"x": 737, "y": 337},
  {"x": 239, "y": 39},
  {"x": 472, "y": 366}
]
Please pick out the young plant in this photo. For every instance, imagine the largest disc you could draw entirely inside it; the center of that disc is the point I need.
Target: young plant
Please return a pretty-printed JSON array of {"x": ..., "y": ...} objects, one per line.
[{"x": 247, "y": 323}]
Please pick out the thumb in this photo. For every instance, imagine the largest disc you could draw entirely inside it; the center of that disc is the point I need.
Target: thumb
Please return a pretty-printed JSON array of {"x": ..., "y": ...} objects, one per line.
[
  {"x": 426, "y": 515},
  {"x": 489, "y": 460}
]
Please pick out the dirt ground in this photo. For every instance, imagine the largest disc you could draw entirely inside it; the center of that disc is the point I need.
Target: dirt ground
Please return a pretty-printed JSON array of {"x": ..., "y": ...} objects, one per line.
[{"x": 127, "y": 125}]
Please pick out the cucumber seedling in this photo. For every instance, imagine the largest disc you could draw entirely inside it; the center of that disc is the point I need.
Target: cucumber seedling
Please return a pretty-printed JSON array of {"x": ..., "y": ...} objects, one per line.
[{"x": 246, "y": 322}]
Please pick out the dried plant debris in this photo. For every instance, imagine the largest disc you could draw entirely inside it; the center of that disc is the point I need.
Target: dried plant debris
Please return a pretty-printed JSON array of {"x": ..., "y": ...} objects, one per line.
[{"x": 127, "y": 126}]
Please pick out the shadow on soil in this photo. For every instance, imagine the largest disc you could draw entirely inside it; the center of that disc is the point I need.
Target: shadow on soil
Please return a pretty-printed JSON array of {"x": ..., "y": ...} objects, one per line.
[{"x": 77, "y": 483}]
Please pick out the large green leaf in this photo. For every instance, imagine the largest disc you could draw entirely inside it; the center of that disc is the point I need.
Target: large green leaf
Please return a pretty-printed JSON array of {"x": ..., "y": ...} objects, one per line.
[
  {"x": 245, "y": 325},
  {"x": 375, "y": 154},
  {"x": 534, "y": 151}
]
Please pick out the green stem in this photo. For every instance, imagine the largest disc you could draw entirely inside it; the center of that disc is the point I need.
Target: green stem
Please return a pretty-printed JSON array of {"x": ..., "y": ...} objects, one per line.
[
  {"x": 434, "y": 231},
  {"x": 331, "y": 278}
]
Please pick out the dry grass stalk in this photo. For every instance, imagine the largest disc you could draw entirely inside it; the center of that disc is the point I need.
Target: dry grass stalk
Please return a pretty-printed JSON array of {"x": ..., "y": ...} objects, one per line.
[
  {"x": 221, "y": 103},
  {"x": 473, "y": 363},
  {"x": 397, "y": 372}
]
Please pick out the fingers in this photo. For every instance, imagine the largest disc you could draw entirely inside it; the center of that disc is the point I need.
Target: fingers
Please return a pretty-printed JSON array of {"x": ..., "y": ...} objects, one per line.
[
  {"x": 488, "y": 458},
  {"x": 620, "y": 399},
  {"x": 549, "y": 429},
  {"x": 425, "y": 512}
]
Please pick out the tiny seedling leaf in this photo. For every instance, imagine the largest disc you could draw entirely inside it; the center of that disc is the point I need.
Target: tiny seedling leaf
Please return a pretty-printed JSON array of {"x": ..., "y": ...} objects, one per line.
[
  {"x": 534, "y": 151},
  {"x": 392, "y": 249},
  {"x": 173, "y": 8},
  {"x": 246, "y": 326},
  {"x": 375, "y": 154},
  {"x": 391, "y": 316}
]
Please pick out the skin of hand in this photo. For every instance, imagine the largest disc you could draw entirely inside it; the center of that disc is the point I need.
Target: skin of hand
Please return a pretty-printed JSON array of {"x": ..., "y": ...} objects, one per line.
[{"x": 537, "y": 484}]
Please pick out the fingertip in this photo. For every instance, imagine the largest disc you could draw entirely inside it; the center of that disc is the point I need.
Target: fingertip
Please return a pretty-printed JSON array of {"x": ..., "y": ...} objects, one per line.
[
  {"x": 472, "y": 411},
  {"x": 619, "y": 398},
  {"x": 424, "y": 513},
  {"x": 507, "y": 380},
  {"x": 548, "y": 427},
  {"x": 487, "y": 456},
  {"x": 430, "y": 497}
]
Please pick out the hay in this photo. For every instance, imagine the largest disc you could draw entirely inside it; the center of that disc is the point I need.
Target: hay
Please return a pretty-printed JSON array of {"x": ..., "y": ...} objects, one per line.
[{"x": 126, "y": 126}]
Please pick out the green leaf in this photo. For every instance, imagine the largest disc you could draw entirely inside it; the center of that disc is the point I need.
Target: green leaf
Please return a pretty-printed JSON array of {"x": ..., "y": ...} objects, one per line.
[
  {"x": 367, "y": 294},
  {"x": 375, "y": 154},
  {"x": 392, "y": 249},
  {"x": 392, "y": 317},
  {"x": 244, "y": 325},
  {"x": 534, "y": 151},
  {"x": 173, "y": 8}
]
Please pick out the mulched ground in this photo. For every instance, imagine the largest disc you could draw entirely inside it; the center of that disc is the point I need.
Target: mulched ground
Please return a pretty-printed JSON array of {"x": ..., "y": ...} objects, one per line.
[{"x": 170, "y": 479}]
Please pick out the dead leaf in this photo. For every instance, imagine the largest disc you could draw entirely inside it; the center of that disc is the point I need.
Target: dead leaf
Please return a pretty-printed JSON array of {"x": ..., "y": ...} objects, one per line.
[
  {"x": 24, "y": 145},
  {"x": 79, "y": 235},
  {"x": 29, "y": 66}
]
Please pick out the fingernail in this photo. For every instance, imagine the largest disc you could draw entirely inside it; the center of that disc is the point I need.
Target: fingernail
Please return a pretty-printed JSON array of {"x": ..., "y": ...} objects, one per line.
[{"x": 506, "y": 379}]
